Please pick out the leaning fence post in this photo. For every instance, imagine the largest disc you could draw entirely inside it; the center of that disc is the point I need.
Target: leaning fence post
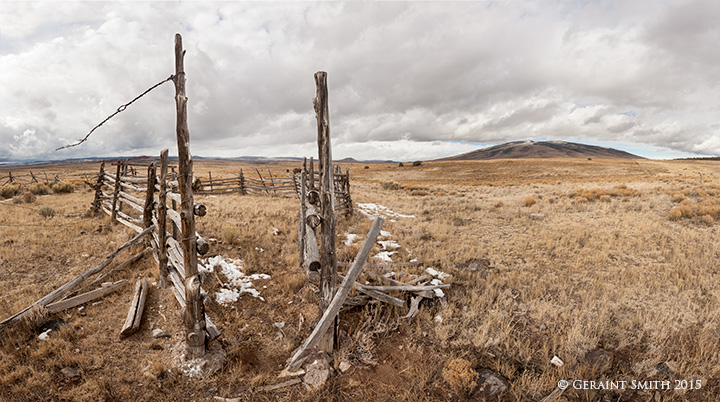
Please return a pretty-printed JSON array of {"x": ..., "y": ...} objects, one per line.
[
  {"x": 115, "y": 194},
  {"x": 194, "y": 310}
]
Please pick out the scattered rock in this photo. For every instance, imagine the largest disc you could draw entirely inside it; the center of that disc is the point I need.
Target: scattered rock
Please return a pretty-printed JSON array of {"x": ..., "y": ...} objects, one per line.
[
  {"x": 344, "y": 366},
  {"x": 317, "y": 374},
  {"x": 70, "y": 372},
  {"x": 159, "y": 333},
  {"x": 537, "y": 217},
  {"x": 156, "y": 346},
  {"x": 490, "y": 383},
  {"x": 279, "y": 325},
  {"x": 600, "y": 359}
]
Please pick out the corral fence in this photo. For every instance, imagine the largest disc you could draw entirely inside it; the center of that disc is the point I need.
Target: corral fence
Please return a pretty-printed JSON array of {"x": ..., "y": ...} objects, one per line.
[{"x": 29, "y": 179}]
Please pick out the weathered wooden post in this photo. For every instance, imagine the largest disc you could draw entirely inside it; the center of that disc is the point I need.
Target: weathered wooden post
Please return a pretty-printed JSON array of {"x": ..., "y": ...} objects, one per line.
[
  {"x": 194, "y": 310},
  {"x": 312, "y": 174},
  {"x": 149, "y": 197},
  {"x": 348, "y": 199},
  {"x": 210, "y": 180},
  {"x": 328, "y": 259},
  {"x": 115, "y": 194},
  {"x": 272, "y": 182},
  {"x": 162, "y": 219},
  {"x": 97, "y": 202},
  {"x": 242, "y": 183}
]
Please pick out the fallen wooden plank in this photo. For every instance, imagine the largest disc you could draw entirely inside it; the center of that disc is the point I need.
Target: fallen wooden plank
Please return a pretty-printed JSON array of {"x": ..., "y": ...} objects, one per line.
[
  {"x": 85, "y": 297},
  {"x": 122, "y": 266},
  {"x": 553, "y": 395},
  {"x": 127, "y": 327},
  {"x": 406, "y": 288},
  {"x": 328, "y": 317},
  {"x": 381, "y": 296}
]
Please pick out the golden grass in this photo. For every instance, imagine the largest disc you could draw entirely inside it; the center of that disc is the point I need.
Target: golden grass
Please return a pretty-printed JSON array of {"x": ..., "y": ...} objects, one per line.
[{"x": 617, "y": 273}]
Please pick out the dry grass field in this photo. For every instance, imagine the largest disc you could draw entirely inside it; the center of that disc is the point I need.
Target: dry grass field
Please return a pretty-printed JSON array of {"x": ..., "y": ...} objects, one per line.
[{"x": 546, "y": 258}]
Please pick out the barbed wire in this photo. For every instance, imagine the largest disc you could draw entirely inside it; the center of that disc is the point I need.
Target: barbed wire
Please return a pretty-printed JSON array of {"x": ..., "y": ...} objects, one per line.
[{"x": 120, "y": 109}]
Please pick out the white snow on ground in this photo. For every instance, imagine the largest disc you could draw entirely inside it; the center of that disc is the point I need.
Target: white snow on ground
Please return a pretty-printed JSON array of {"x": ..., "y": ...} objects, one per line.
[
  {"x": 432, "y": 271},
  {"x": 45, "y": 335},
  {"x": 350, "y": 239},
  {"x": 232, "y": 269},
  {"x": 389, "y": 244},
  {"x": 385, "y": 233},
  {"x": 438, "y": 292},
  {"x": 385, "y": 255},
  {"x": 372, "y": 211}
]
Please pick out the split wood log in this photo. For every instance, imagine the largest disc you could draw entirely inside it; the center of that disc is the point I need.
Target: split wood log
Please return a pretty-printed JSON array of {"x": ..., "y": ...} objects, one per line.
[
  {"x": 199, "y": 209},
  {"x": 85, "y": 297},
  {"x": 173, "y": 196},
  {"x": 405, "y": 288},
  {"x": 414, "y": 307},
  {"x": 385, "y": 298},
  {"x": 136, "y": 179},
  {"x": 73, "y": 283},
  {"x": 161, "y": 222},
  {"x": 328, "y": 317},
  {"x": 124, "y": 199},
  {"x": 120, "y": 267},
  {"x": 134, "y": 317}
]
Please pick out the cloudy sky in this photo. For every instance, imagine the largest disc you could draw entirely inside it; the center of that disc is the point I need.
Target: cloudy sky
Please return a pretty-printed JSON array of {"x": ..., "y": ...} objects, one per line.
[{"x": 407, "y": 80}]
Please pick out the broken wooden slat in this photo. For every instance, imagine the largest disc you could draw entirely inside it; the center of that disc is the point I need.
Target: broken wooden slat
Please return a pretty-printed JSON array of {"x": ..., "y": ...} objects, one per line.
[
  {"x": 120, "y": 267},
  {"x": 406, "y": 288},
  {"x": 328, "y": 317},
  {"x": 381, "y": 296},
  {"x": 85, "y": 297},
  {"x": 414, "y": 307},
  {"x": 136, "y": 309}
]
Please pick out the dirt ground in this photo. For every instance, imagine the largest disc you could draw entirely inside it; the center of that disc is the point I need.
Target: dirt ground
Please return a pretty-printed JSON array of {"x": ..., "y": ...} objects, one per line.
[{"x": 569, "y": 258}]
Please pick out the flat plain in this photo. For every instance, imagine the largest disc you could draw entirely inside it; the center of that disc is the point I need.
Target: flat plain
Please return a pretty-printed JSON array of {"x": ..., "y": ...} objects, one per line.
[{"x": 571, "y": 258}]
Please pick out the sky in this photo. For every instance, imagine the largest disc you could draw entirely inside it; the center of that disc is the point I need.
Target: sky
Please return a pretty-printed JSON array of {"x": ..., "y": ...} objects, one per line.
[{"x": 407, "y": 80}]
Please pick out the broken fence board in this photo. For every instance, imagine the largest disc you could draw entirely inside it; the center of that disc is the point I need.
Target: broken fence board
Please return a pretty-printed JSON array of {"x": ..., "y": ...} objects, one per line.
[
  {"x": 85, "y": 297},
  {"x": 328, "y": 317},
  {"x": 122, "y": 266},
  {"x": 127, "y": 326}
]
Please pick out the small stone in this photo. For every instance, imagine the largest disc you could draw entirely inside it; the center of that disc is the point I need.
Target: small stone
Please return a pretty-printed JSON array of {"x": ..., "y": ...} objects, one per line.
[
  {"x": 491, "y": 383},
  {"x": 159, "y": 333},
  {"x": 344, "y": 366},
  {"x": 279, "y": 325},
  {"x": 156, "y": 346},
  {"x": 70, "y": 372},
  {"x": 557, "y": 361},
  {"x": 600, "y": 359},
  {"x": 317, "y": 374}
]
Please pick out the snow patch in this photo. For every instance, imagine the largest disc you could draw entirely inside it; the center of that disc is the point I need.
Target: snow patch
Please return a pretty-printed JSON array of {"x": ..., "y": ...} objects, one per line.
[
  {"x": 372, "y": 211},
  {"x": 350, "y": 239},
  {"x": 439, "y": 274},
  {"x": 389, "y": 244},
  {"x": 385, "y": 255},
  {"x": 232, "y": 269},
  {"x": 45, "y": 335},
  {"x": 438, "y": 292}
]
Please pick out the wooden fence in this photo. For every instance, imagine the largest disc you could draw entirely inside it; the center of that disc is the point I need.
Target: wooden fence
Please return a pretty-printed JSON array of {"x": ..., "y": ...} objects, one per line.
[{"x": 29, "y": 179}]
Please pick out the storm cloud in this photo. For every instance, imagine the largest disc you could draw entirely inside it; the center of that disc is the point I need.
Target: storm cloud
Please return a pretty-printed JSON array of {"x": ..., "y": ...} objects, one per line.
[{"x": 406, "y": 80}]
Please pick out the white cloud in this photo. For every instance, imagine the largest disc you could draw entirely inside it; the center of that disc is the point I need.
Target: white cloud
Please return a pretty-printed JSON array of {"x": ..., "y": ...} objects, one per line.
[{"x": 401, "y": 75}]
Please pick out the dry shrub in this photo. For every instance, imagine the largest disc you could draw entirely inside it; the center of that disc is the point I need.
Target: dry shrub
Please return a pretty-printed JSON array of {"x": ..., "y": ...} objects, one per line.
[
  {"x": 390, "y": 185},
  {"x": 39, "y": 189},
  {"x": 63, "y": 188},
  {"x": 29, "y": 198},
  {"x": 529, "y": 201},
  {"x": 678, "y": 197},
  {"x": 499, "y": 204},
  {"x": 229, "y": 234},
  {"x": 459, "y": 374},
  {"x": 707, "y": 211},
  {"x": 17, "y": 200},
  {"x": 419, "y": 192},
  {"x": 9, "y": 190},
  {"x": 46, "y": 212},
  {"x": 605, "y": 194}
]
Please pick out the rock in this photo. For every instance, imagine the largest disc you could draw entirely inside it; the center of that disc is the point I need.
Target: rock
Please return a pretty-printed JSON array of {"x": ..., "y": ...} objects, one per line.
[
  {"x": 317, "y": 374},
  {"x": 344, "y": 366},
  {"x": 537, "y": 217},
  {"x": 156, "y": 346},
  {"x": 159, "y": 333},
  {"x": 70, "y": 372},
  {"x": 600, "y": 359},
  {"x": 279, "y": 325},
  {"x": 490, "y": 383}
]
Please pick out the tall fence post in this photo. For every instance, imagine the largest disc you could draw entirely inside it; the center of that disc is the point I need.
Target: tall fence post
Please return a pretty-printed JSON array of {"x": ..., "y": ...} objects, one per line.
[
  {"x": 97, "y": 202},
  {"x": 195, "y": 310},
  {"x": 348, "y": 199},
  {"x": 242, "y": 183},
  {"x": 328, "y": 259},
  {"x": 312, "y": 174},
  {"x": 115, "y": 194},
  {"x": 162, "y": 219}
]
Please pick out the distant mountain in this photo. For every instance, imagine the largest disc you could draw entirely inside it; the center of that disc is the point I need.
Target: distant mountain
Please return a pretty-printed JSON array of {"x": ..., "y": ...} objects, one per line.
[{"x": 543, "y": 149}]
